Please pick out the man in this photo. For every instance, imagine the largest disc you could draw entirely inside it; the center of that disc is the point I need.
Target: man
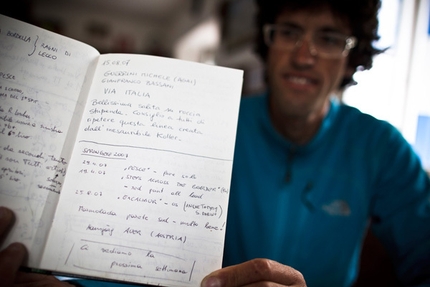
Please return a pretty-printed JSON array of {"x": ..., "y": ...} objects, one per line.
[{"x": 310, "y": 173}]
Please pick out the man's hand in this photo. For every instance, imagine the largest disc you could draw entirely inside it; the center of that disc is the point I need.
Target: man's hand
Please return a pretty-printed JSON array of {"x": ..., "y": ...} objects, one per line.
[
  {"x": 12, "y": 257},
  {"x": 256, "y": 272}
]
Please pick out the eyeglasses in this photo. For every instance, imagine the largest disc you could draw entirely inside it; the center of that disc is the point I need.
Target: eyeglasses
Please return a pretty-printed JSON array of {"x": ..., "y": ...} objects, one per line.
[{"x": 326, "y": 44}]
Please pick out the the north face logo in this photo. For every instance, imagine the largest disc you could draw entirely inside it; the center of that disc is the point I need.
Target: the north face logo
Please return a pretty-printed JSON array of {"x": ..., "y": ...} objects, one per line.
[{"x": 337, "y": 208}]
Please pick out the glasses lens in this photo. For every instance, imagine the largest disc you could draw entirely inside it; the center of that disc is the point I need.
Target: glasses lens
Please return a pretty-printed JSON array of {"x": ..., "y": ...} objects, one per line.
[
  {"x": 282, "y": 37},
  {"x": 331, "y": 44}
]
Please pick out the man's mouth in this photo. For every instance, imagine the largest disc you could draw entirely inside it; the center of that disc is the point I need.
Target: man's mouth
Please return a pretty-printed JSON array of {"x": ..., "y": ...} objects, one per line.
[{"x": 300, "y": 81}]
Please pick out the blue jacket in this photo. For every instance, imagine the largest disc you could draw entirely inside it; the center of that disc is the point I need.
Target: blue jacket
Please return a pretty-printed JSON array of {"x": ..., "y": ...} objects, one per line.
[{"x": 309, "y": 206}]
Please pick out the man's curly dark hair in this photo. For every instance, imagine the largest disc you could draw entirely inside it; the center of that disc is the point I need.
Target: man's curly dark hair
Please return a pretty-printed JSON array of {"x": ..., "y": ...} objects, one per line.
[{"x": 361, "y": 15}]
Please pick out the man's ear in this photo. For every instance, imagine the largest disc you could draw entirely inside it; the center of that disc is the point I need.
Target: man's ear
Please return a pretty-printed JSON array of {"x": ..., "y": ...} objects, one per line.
[
  {"x": 346, "y": 81},
  {"x": 349, "y": 72},
  {"x": 347, "y": 77}
]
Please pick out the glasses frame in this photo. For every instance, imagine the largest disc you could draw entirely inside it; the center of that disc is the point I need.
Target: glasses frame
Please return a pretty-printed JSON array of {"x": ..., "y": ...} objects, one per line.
[{"x": 269, "y": 29}]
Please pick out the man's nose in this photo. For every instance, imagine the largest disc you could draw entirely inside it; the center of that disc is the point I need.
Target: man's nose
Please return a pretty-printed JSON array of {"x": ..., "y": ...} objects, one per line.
[{"x": 304, "y": 53}]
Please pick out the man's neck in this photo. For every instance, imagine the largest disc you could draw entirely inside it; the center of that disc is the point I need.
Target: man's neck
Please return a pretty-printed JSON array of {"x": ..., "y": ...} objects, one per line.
[{"x": 300, "y": 129}]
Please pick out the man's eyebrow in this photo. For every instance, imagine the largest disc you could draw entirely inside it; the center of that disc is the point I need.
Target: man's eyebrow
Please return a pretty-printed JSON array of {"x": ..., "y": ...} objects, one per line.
[
  {"x": 327, "y": 28},
  {"x": 331, "y": 30},
  {"x": 288, "y": 23}
]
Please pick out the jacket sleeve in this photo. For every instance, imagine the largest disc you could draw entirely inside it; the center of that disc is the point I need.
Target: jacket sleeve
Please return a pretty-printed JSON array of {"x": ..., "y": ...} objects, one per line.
[{"x": 400, "y": 208}]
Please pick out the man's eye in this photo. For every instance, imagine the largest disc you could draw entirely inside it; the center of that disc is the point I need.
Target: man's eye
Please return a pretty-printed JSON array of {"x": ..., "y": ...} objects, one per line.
[
  {"x": 289, "y": 33},
  {"x": 330, "y": 40}
]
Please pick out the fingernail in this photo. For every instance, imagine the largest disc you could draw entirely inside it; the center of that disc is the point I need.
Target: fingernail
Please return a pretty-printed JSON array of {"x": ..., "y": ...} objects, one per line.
[
  {"x": 4, "y": 212},
  {"x": 211, "y": 282},
  {"x": 17, "y": 247},
  {"x": 19, "y": 251}
]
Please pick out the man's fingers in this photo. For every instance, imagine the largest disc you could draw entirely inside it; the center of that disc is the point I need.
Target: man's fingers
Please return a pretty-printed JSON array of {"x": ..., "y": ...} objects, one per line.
[
  {"x": 10, "y": 259},
  {"x": 253, "y": 271},
  {"x": 6, "y": 221},
  {"x": 14, "y": 255}
]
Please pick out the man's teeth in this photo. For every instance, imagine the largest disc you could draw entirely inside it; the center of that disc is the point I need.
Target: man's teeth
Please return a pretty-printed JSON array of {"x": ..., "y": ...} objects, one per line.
[{"x": 300, "y": 80}]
